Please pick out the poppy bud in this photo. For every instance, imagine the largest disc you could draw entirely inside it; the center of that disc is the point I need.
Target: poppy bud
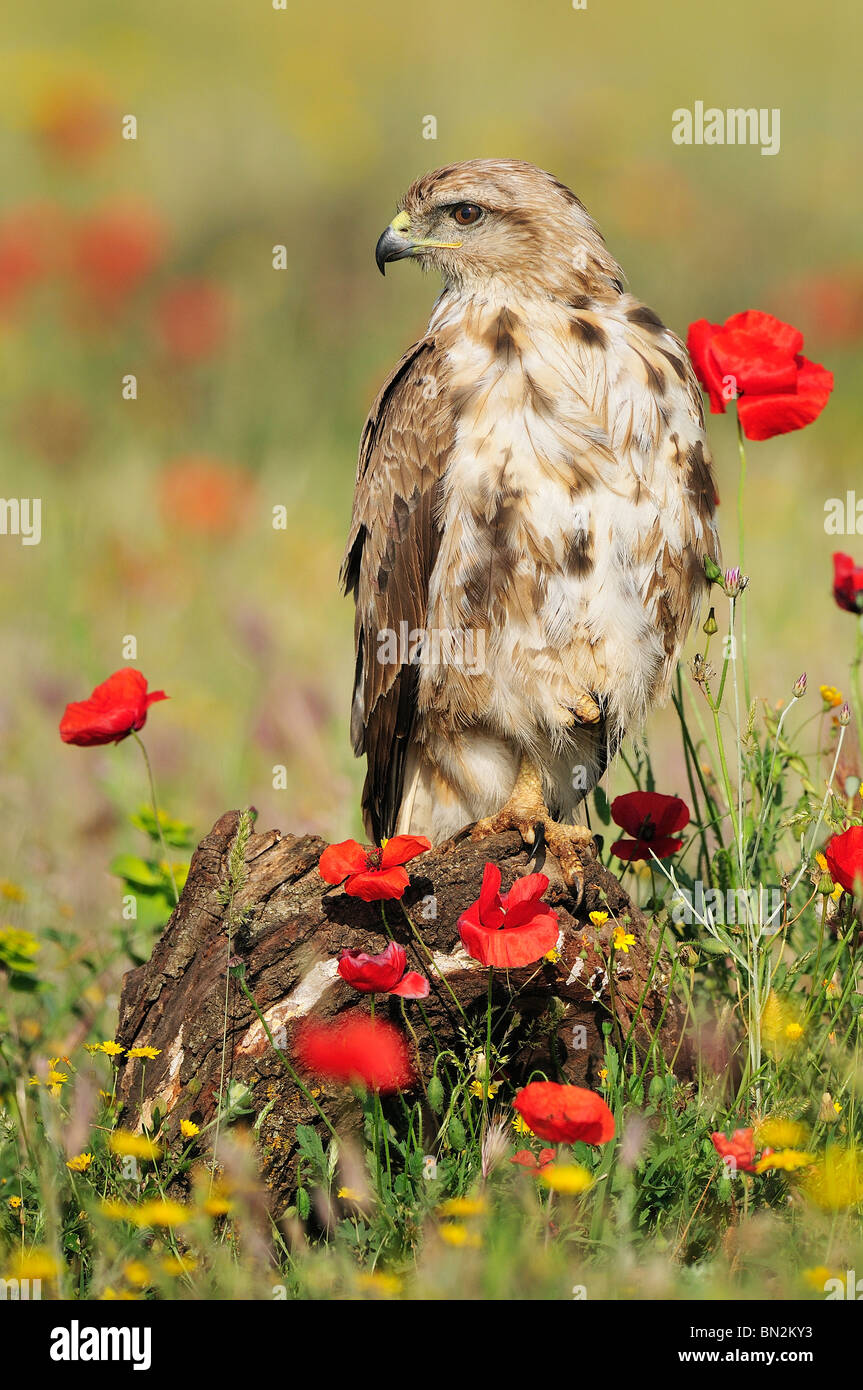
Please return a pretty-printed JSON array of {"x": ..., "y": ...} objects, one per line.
[
  {"x": 435, "y": 1093},
  {"x": 455, "y": 1133},
  {"x": 712, "y": 570},
  {"x": 826, "y": 886}
]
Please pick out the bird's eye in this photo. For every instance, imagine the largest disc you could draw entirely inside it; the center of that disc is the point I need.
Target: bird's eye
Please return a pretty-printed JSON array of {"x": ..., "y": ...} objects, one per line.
[{"x": 466, "y": 214}]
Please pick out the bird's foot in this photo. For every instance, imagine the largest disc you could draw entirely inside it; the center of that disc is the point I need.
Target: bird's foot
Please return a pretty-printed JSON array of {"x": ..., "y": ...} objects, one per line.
[
  {"x": 526, "y": 811},
  {"x": 572, "y": 846}
]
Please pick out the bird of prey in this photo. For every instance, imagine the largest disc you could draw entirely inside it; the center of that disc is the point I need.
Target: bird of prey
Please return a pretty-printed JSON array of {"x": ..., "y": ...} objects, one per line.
[{"x": 534, "y": 502}]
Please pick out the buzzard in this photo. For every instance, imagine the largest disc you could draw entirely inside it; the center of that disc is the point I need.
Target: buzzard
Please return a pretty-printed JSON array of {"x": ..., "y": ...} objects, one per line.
[{"x": 534, "y": 502}]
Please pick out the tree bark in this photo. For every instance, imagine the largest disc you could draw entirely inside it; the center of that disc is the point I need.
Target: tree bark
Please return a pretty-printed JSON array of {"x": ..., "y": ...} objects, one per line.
[{"x": 287, "y": 928}]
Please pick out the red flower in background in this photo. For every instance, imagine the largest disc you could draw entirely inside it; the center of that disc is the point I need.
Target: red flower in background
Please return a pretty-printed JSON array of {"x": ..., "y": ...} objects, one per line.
[
  {"x": 75, "y": 122},
  {"x": 510, "y": 929},
  {"x": 653, "y": 820},
  {"x": 372, "y": 874},
  {"x": 29, "y": 237},
  {"x": 844, "y": 856},
  {"x": 117, "y": 708},
  {"x": 757, "y": 358},
  {"x": 385, "y": 973},
  {"x": 739, "y": 1146},
  {"x": 115, "y": 250},
  {"x": 367, "y": 1050},
  {"x": 525, "y": 1158},
  {"x": 847, "y": 583},
  {"x": 202, "y": 494},
  {"x": 565, "y": 1114},
  {"x": 192, "y": 320}
]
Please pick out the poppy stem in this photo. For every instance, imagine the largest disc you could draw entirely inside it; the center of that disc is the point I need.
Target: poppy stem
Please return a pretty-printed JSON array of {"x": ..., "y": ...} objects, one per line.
[
  {"x": 155, "y": 804},
  {"x": 856, "y": 696},
  {"x": 487, "y": 1079},
  {"x": 741, "y": 489}
]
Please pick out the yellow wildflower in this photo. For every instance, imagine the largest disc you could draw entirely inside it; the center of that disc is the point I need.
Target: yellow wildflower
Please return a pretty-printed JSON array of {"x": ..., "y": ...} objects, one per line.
[
  {"x": 175, "y": 1265},
  {"x": 136, "y": 1272},
  {"x": 817, "y": 1277},
  {"x": 780, "y": 1026},
  {"x": 599, "y": 919},
  {"x": 12, "y": 892},
  {"x": 80, "y": 1163},
  {"x": 520, "y": 1126},
  {"x": 127, "y": 1145},
  {"x": 33, "y": 1264},
  {"x": 148, "y": 1052},
  {"x": 477, "y": 1089},
  {"x": 159, "y": 1212},
  {"x": 380, "y": 1282},
  {"x": 831, "y": 696},
  {"x": 109, "y": 1295},
  {"x": 622, "y": 939},
  {"x": 459, "y": 1235},
  {"x": 780, "y": 1133},
  {"x": 836, "y": 1181},
  {"x": 568, "y": 1178},
  {"x": 217, "y": 1206},
  {"x": 350, "y": 1194},
  {"x": 788, "y": 1160},
  {"x": 188, "y": 1129},
  {"x": 57, "y": 1078},
  {"x": 14, "y": 1203},
  {"x": 111, "y": 1049},
  {"x": 552, "y": 956},
  {"x": 463, "y": 1206}
]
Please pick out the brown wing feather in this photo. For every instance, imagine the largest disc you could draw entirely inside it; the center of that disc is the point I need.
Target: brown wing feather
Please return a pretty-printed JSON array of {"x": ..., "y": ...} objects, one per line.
[{"x": 391, "y": 549}]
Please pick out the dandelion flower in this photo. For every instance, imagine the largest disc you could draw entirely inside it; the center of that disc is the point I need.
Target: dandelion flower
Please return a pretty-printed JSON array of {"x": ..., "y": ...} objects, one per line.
[
  {"x": 80, "y": 1163},
  {"x": 457, "y": 1234},
  {"x": 567, "y": 1178}
]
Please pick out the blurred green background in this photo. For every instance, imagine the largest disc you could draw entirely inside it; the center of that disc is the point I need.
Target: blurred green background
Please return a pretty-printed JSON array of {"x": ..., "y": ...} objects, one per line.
[{"x": 302, "y": 127}]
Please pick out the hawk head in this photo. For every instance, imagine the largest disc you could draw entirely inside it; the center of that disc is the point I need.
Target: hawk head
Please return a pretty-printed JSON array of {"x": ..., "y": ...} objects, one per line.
[{"x": 504, "y": 221}]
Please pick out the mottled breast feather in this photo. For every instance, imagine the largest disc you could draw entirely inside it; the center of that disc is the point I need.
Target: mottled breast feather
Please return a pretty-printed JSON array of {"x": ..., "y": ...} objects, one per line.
[{"x": 391, "y": 550}]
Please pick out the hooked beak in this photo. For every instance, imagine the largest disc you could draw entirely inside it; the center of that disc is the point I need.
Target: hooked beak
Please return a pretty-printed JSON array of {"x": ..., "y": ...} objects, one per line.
[
  {"x": 396, "y": 242},
  {"x": 393, "y": 245}
]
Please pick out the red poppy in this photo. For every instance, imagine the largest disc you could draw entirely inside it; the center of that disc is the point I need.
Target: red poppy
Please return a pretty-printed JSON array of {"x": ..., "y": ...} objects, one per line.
[
  {"x": 385, "y": 973},
  {"x": 847, "y": 583},
  {"x": 203, "y": 494},
  {"x": 565, "y": 1114},
  {"x": 75, "y": 122},
  {"x": 368, "y": 1050},
  {"x": 192, "y": 320},
  {"x": 844, "y": 856},
  {"x": 117, "y": 708},
  {"x": 739, "y": 1146},
  {"x": 525, "y": 1158},
  {"x": 29, "y": 250},
  {"x": 653, "y": 820},
  {"x": 115, "y": 250},
  {"x": 372, "y": 874},
  {"x": 756, "y": 358},
  {"x": 509, "y": 929}
]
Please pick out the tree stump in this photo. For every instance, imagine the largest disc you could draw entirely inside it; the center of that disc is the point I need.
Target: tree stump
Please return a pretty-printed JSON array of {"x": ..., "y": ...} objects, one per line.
[{"x": 288, "y": 928}]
